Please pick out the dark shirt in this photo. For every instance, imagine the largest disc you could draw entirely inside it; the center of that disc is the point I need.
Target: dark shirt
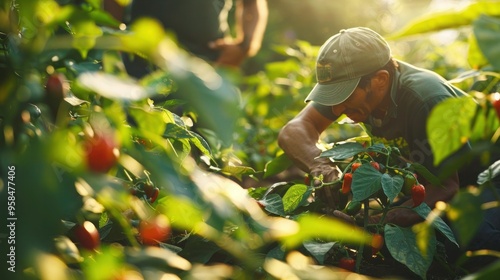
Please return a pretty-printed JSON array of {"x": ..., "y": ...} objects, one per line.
[
  {"x": 194, "y": 23},
  {"x": 414, "y": 92}
]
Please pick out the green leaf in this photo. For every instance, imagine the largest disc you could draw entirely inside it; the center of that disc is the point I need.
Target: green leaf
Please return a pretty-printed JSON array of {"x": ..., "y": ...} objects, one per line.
[
  {"x": 274, "y": 204},
  {"x": 276, "y": 253},
  {"x": 200, "y": 143},
  {"x": 198, "y": 249},
  {"x": 423, "y": 234},
  {"x": 182, "y": 212},
  {"x": 85, "y": 33},
  {"x": 104, "y": 18},
  {"x": 295, "y": 197},
  {"x": 150, "y": 121},
  {"x": 392, "y": 185},
  {"x": 487, "y": 32},
  {"x": 105, "y": 264},
  {"x": 448, "y": 126},
  {"x": 237, "y": 171},
  {"x": 378, "y": 148},
  {"x": 343, "y": 151},
  {"x": 158, "y": 82},
  {"x": 366, "y": 181},
  {"x": 402, "y": 245},
  {"x": 277, "y": 165},
  {"x": 422, "y": 170},
  {"x": 488, "y": 272},
  {"x": 448, "y": 19},
  {"x": 319, "y": 250},
  {"x": 175, "y": 131},
  {"x": 112, "y": 87},
  {"x": 465, "y": 214},
  {"x": 475, "y": 57},
  {"x": 423, "y": 210},
  {"x": 314, "y": 226}
]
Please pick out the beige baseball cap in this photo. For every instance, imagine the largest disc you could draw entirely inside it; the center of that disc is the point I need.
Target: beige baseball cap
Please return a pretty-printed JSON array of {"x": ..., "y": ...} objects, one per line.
[{"x": 343, "y": 59}]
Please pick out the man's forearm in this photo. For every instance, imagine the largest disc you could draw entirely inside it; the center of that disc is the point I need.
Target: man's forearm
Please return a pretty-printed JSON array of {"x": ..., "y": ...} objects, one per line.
[
  {"x": 252, "y": 20},
  {"x": 299, "y": 144}
]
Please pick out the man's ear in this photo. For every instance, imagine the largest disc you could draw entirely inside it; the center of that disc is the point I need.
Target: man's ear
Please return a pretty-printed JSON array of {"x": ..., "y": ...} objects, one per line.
[{"x": 381, "y": 78}]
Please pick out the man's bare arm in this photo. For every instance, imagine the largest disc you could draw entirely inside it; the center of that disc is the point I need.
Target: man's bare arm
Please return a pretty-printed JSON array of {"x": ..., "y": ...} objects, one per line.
[{"x": 299, "y": 137}]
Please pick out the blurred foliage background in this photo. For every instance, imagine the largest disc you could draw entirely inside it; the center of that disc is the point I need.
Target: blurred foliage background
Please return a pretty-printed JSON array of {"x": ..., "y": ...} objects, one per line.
[{"x": 217, "y": 227}]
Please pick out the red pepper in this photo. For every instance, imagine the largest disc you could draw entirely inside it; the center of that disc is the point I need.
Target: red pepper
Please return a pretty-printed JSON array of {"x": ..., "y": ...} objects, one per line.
[
  {"x": 154, "y": 196},
  {"x": 307, "y": 180},
  {"x": 417, "y": 194},
  {"x": 355, "y": 166},
  {"x": 346, "y": 184},
  {"x": 87, "y": 235},
  {"x": 377, "y": 243},
  {"x": 495, "y": 101},
  {"x": 347, "y": 263},
  {"x": 375, "y": 165}
]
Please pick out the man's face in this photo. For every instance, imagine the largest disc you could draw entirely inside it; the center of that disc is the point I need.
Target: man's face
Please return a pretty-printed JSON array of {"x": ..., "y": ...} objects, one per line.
[{"x": 358, "y": 106}]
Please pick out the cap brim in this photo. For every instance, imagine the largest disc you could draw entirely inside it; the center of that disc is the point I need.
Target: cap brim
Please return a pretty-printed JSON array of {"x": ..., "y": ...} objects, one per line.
[{"x": 334, "y": 93}]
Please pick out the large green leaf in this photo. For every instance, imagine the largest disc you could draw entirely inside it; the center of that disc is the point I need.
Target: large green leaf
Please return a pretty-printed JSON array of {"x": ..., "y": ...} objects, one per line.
[
  {"x": 366, "y": 181},
  {"x": 402, "y": 245},
  {"x": 448, "y": 19},
  {"x": 343, "y": 151},
  {"x": 112, "y": 87},
  {"x": 274, "y": 204},
  {"x": 198, "y": 249},
  {"x": 448, "y": 126},
  {"x": 475, "y": 57},
  {"x": 295, "y": 197},
  {"x": 150, "y": 121},
  {"x": 487, "y": 32},
  {"x": 183, "y": 213},
  {"x": 314, "y": 226},
  {"x": 277, "y": 165},
  {"x": 422, "y": 170},
  {"x": 392, "y": 185},
  {"x": 465, "y": 214},
  {"x": 424, "y": 210},
  {"x": 319, "y": 250}
]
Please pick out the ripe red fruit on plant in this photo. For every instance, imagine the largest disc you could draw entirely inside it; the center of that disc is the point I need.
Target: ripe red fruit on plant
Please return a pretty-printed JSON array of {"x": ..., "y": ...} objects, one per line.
[
  {"x": 495, "y": 101},
  {"x": 347, "y": 263},
  {"x": 307, "y": 180},
  {"x": 375, "y": 165},
  {"x": 151, "y": 192},
  {"x": 417, "y": 194},
  {"x": 99, "y": 153},
  {"x": 346, "y": 184},
  {"x": 87, "y": 235},
  {"x": 155, "y": 230},
  {"x": 355, "y": 166},
  {"x": 377, "y": 243},
  {"x": 154, "y": 195}
]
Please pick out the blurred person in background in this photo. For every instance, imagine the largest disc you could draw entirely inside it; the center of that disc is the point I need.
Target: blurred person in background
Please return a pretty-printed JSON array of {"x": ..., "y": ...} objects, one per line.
[{"x": 202, "y": 27}]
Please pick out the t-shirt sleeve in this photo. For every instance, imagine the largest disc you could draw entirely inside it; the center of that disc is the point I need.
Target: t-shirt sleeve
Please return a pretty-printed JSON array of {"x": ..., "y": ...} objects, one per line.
[{"x": 326, "y": 111}]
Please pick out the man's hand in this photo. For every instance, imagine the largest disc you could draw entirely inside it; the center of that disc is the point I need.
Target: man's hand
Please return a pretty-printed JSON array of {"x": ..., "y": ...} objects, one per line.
[
  {"x": 232, "y": 54},
  {"x": 326, "y": 168},
  {"x": 399, "y": 216},
  {"x": 328, "y": 193}
]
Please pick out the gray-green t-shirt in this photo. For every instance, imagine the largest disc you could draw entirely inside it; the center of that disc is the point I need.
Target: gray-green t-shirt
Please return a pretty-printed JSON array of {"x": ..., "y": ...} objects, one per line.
[{"x": 414, "y": 93}]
